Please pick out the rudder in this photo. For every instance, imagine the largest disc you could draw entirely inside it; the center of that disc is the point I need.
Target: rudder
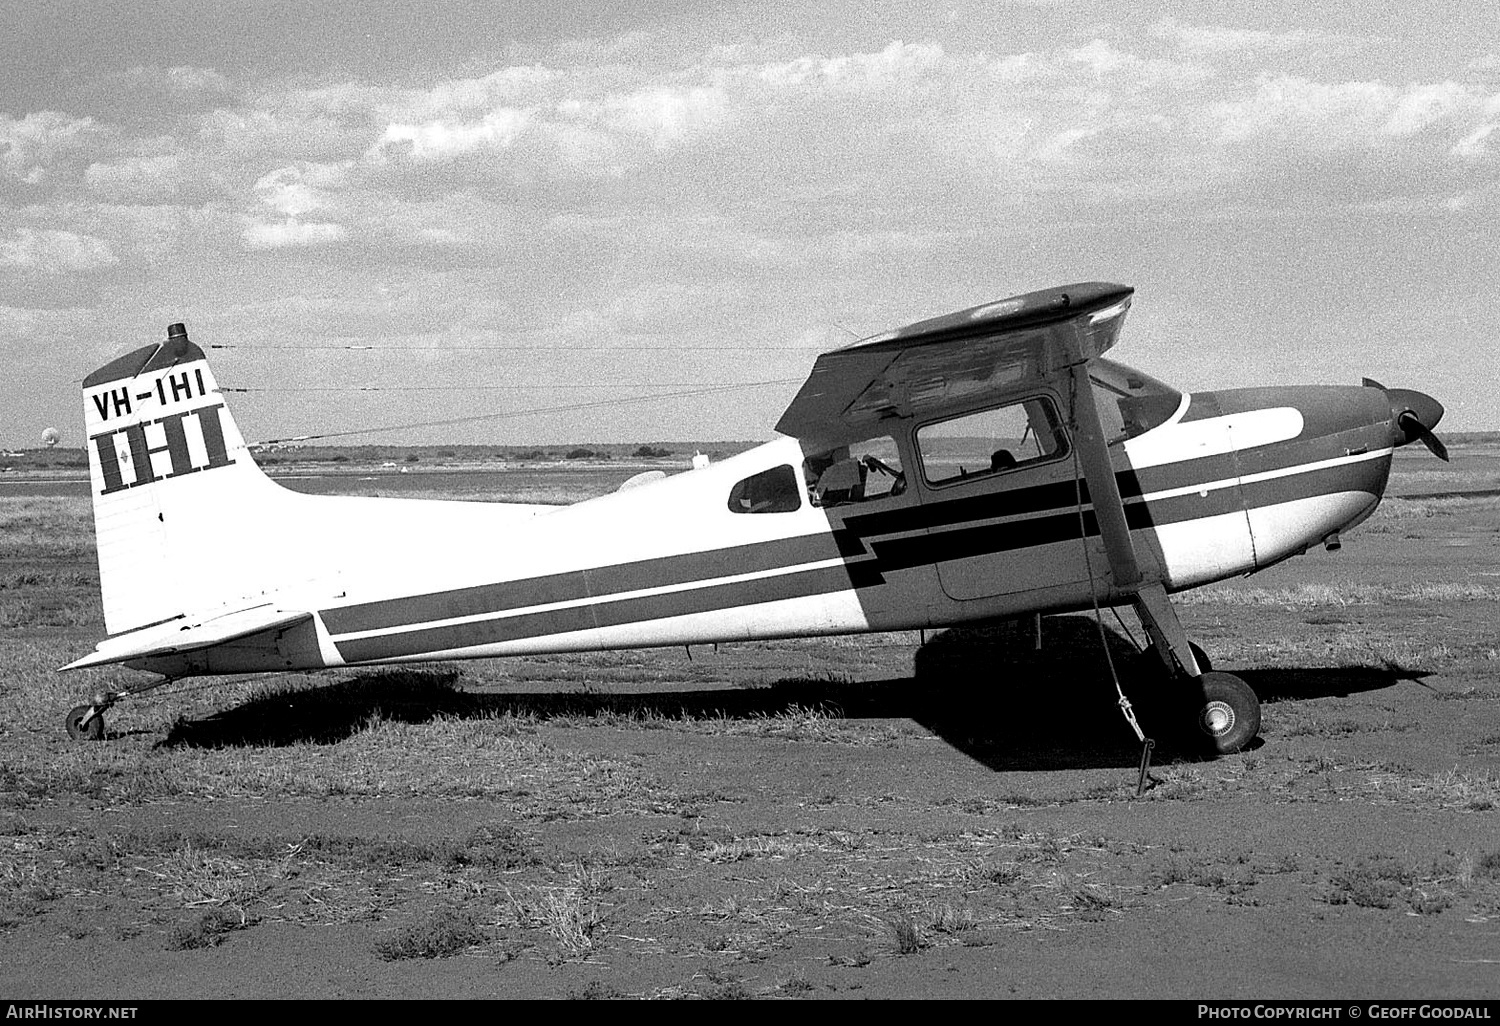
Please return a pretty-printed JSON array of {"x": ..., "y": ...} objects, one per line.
[{"x": 171, "y": 480}]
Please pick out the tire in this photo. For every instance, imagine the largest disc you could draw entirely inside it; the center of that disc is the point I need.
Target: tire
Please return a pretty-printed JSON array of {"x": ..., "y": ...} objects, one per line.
[
  {"x": 1153, "y": 662},
  {"x": 1228, "y": 717},
  {"x": 80, "y": 731}
]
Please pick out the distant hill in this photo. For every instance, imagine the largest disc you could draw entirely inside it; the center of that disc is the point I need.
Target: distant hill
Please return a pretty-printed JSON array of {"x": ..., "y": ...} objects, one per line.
[{"x": 62, "y": 457}]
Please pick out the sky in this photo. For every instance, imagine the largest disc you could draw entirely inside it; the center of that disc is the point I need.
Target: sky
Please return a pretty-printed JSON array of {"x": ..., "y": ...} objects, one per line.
[{"x": 381, "y": 215}]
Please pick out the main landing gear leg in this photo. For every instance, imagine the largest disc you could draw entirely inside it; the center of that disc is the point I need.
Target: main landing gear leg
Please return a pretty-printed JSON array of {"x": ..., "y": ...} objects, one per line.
[
  {"x": 1226, "y": 709},
  {"x": 86, "y": 722}
]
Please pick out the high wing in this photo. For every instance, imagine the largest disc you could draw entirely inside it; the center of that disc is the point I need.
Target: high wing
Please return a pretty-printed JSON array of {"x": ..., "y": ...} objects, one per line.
[{"x": 948, "y": 361}]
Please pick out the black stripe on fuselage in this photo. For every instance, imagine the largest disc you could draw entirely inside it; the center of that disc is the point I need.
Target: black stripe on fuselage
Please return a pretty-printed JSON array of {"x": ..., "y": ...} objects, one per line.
[
  {"x": 594, "y": 582},
  {"x": 887, "y": 555},
  {"x": 799, "y": 584}
]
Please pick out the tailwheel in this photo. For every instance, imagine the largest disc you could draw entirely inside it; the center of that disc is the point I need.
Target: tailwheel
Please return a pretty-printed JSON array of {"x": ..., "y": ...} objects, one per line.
[
  {"x": 1229, "y": 715},
  {"x": 84, "y": 723}
]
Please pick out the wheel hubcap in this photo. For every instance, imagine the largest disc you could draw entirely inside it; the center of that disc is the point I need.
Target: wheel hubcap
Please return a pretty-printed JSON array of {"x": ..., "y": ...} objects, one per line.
[{"x": 1218, "y": 718}]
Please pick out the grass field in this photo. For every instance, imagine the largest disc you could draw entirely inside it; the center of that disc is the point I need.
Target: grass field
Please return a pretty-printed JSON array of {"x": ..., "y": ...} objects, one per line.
[{"x": 845, "y": 817}]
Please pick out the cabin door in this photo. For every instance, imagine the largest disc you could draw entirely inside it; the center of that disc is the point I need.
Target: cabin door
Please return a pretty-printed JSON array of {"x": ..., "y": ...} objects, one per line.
[{"x": 1000, "y": 504}]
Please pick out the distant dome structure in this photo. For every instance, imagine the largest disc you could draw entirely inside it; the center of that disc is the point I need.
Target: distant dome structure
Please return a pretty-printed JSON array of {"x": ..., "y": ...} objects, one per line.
[{"x": 51, "y": 437}]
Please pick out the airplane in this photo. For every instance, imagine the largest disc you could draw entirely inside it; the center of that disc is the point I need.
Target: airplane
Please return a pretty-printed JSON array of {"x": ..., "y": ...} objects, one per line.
[{"x": 989, "y": 463}]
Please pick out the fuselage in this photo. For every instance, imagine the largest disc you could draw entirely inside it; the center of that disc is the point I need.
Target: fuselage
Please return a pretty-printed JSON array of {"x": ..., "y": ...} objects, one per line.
[{"x": 768, "y": 544}]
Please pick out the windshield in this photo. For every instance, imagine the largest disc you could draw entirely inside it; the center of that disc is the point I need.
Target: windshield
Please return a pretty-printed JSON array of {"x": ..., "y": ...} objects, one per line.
[{"x": 1130, "y": 402}]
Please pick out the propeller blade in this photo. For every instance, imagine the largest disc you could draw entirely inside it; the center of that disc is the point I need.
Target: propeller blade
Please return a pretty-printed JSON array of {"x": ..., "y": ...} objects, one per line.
[
  {"x": 1412, "y": 426},
  {"x": 1414, "y": 414}
]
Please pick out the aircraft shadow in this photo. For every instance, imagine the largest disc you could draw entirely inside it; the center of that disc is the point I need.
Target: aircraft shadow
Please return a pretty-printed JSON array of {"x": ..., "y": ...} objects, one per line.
[
  {"x": 985, "y": 689},
  {"x": 1291, "y": 683},
  {"x": 1002, "y": 701}
]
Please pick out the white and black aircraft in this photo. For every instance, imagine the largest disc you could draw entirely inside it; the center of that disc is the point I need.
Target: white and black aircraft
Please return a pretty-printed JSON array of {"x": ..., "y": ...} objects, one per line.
[{"x": 984, "y": 464}]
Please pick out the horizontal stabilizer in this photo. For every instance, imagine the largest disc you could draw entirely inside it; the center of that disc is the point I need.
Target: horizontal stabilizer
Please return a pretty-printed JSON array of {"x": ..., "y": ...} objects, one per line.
[{"x": 184, "y": 634}]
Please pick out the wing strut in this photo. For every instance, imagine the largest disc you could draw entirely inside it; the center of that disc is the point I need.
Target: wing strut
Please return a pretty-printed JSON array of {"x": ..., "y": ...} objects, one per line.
[
  {"x": 1093, "y": 456},
  {"x": 1150, "y": 598}
]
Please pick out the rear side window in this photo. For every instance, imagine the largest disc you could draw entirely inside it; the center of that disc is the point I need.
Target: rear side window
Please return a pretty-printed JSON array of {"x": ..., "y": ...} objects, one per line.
[{"x": 771, "y": 491}]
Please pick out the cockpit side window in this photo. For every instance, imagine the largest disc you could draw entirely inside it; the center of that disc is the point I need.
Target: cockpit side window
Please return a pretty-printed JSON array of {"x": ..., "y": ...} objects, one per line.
[
  {"x": 991, "y": 441},
  {"x": 860, "y": 472},
  {"x": 771, "y": 491},
  {"x": 1129, "y": 402}
]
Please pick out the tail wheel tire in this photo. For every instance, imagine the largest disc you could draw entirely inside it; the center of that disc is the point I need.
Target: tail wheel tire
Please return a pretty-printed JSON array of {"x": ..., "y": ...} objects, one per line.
[
  {"x": 1229, "y": 716},
  {"x": 78, "y": 730}
]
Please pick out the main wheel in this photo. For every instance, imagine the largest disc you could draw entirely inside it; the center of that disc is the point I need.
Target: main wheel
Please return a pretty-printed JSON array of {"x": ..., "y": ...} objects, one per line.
[
  {"x": 93, "y": 730},
  {"x": 1229, "y": 716}
]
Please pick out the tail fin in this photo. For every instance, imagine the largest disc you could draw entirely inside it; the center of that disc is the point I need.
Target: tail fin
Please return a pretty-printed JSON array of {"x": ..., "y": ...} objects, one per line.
[{"x": 173, "y": 486}]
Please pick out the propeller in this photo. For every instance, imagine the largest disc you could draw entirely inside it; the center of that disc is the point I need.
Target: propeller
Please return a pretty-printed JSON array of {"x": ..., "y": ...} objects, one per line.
[{"x": 1414, "y": 415}]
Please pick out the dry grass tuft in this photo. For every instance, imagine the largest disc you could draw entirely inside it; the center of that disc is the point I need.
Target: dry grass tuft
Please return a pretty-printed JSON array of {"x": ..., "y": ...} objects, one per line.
[
  {"x": 197, "y": 878},
  {"x": 445, "y": 932},
  {"x": 206, "y": 930},
  {"x": 1454, "y": 789},
  {"x": 905, "y": 937},
  {"x": 571, "y": 913}
]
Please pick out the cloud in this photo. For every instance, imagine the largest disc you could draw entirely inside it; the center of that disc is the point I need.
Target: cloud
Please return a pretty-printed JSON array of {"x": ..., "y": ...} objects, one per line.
[
  {"x": 1422, "y": 106},
  {"x": 298, "y": 188},
  {"x": 1295, "y": 114},
  {"x": 1106, "y": 61},
  {"x": 445, "y": 140},
  {"x": 662, "y": 115},
  {"x": 1478, "y": 143},
  {"x": 1319, "y": 114},
  {"x": 18, "y": 322},
  {"x": 147, "y": 178},
  {"x": 513, "y": 86},
  {"x": 53, "y": 251},
  {"x": 196, "y": 81},
  {"x": 888, "y": 137},
  {"x": 31, "y": 146},
  {"x": 602, "y": 120},
  {"x": 1212, "y": 39},
  {"x": 579, "y": 134},
  {"x": 896, "y": 64},
  {"x": 176, "y": 87},
  {"x": 141, "y": 233},
  {"x": 275, "y": 128},
  {"x": 292, "y": 233}
]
